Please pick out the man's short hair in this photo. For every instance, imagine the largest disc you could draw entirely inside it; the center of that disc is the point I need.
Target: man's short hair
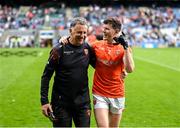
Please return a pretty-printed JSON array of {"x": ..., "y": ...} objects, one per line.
[
  {"x": 116, "y": 24},
  {"x": 78, "y": 20}
]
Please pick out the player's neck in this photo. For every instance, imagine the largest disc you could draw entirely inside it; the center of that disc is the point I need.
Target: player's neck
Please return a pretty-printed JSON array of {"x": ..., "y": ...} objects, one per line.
[{"x": 110, "y": 41}]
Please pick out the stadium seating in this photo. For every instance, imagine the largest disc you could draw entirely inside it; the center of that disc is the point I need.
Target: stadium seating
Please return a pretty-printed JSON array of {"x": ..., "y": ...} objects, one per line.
[{"x": 145, "y": 26}]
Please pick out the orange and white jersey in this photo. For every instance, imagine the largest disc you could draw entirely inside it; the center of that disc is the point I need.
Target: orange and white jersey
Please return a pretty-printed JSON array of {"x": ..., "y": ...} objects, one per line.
[{"x": 109, "y": 66}]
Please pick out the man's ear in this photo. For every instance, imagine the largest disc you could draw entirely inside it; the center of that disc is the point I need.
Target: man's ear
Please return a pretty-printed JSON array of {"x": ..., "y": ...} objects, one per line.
[
  {"x": 117, "y": 31},
  {"x": 70, "y": 30}
]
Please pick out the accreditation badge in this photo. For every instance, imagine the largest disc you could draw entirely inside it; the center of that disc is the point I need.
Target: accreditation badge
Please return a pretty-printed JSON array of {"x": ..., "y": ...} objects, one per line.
[{"x": 86, "y": 51}]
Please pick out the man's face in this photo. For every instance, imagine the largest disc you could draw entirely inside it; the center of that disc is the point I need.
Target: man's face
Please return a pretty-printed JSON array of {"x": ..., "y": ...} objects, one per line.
[
  {"x": 78, "y": 33},
  {"x": 108, "y": 32}
]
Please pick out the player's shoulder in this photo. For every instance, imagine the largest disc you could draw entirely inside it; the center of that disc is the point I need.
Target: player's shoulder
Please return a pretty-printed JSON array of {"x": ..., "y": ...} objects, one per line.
[
  {"x": 99, "y": 42},
  {"x": 57, "y": 49},
  {"x": 58, "y": 46},
  {"x": 96, "y": 43}
]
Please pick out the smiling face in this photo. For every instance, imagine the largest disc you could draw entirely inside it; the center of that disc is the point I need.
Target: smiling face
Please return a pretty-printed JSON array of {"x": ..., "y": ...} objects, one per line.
[
  {"x": 108, "y": 32},
  {"x": 111, "y": 29},
  {"x": 78, "y": 34}
]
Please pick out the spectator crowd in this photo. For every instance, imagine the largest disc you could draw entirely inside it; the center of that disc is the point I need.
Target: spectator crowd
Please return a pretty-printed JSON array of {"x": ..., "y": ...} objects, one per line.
[{"x": 159, "y": 26}]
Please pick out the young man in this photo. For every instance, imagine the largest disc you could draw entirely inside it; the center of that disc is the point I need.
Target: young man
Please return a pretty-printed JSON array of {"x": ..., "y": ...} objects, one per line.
[
  {"x": 70, "y": 95},
  {"x": 108, "y": 86}
]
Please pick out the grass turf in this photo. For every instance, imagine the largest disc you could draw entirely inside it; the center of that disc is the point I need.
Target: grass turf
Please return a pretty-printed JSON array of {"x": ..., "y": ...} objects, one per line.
[{"x": 152, "y": 90}]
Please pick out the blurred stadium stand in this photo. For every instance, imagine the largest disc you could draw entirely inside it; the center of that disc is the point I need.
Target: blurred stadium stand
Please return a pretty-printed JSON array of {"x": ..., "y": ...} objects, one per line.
[
  {"x": 40, "y": 23},
  {"x": 89, "y": 2}
]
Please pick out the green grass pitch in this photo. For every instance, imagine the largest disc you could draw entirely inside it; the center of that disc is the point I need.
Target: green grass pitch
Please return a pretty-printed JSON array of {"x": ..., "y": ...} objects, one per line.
[{"x": 152, "y": 90}]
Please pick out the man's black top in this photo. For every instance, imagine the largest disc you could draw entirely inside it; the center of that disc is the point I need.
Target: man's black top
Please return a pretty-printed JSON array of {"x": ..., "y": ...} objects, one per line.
[{"x": 71, "y": 75}]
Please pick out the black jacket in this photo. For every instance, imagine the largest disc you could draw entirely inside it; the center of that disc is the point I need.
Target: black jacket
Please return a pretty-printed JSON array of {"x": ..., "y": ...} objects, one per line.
[{"x": 71, "y": 75}]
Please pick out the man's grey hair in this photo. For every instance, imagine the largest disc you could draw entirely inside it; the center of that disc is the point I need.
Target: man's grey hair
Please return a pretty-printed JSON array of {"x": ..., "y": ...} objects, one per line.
[{"x": 78, "y": 20}]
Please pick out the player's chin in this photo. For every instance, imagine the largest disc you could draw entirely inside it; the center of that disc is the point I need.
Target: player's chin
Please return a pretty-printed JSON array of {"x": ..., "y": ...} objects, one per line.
[{"x": 81, "y": 41}]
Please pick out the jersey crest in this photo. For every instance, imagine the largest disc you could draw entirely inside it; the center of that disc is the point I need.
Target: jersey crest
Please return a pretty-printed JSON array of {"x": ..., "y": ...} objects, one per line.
[{"x": 118, "y": 52}]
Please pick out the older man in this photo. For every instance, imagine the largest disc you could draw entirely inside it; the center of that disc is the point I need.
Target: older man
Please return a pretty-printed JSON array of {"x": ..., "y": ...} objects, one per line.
[{"x": 70, "y": 94}]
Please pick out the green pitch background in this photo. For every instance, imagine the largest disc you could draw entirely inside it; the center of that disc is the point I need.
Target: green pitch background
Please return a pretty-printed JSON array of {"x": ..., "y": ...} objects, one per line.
[{"x": 152, "y": 90}]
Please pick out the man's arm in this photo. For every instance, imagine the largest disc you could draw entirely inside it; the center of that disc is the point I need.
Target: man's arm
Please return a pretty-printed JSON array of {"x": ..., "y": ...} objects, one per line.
[
  {"x": 92, "y": 58},
  {"x": 128, "y": 58},
  {"x": 45, "y": 79},
  {"x": 124, "y": 74},
  {"x": 47, "y": 74}
]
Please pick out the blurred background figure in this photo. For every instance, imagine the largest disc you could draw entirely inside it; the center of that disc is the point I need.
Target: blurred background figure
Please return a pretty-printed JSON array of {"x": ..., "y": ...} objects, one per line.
[{"x": 14, "y": 42}]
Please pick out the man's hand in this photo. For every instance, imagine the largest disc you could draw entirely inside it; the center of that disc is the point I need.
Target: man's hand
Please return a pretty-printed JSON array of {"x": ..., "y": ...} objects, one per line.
[
  {"x": 124, "y": 74},
  {"x": 46, "y": 109},
  {"x": 122, "y": 40},
  {"x": 64, "y": 40}
]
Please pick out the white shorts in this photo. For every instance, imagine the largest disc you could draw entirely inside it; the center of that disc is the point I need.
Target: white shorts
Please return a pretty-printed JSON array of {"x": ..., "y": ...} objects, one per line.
[{"x": 115, "y": 105}]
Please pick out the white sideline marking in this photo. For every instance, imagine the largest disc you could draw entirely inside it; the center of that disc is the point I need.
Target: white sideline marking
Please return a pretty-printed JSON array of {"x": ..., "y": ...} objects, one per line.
[{"x": 154, "y": 62}]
